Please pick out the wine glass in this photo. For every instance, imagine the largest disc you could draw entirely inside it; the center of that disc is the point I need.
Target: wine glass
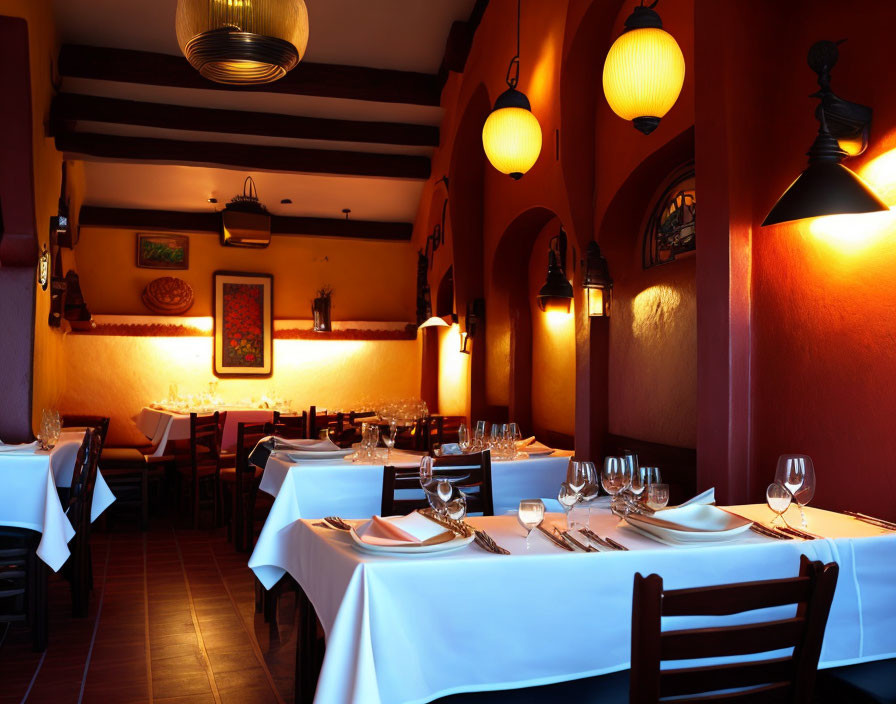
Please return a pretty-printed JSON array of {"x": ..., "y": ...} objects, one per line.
[
  {"x": 456, "y": 504},
  {"x": 389, "y": 439},
  {"x": 577, "y": 475},
  {"x": 657, "y": 496},
  {"x": 495, "y": 439},
  {"x": 515, "y": 437},
  {"x": 592, "y": 486},
  {"x": 568, "y": 497},
  {"x": 638, "y": 483},
  {"x": 479, "y": 436},
  {"x": 778, "y": 498},
  {"x": 614, "y": 477},
  {"x": 530, "y": 514},
  {"x": 426, "y": 474},
  {"x": 630, "y": 461},
  {"x": 797, "y": 473},
  {"x": 463, "y": 438}
]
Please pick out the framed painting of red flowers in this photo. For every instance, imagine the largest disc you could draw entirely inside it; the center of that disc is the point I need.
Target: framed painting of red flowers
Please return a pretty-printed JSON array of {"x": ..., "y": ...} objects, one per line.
[{"x": 243, "y": 305}]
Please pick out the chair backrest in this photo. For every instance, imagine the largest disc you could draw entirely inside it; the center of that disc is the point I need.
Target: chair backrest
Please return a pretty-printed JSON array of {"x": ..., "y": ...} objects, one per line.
[
  {"x": 472, "y": 474},
  {"x": 205, "y": 439},
  {"x": 83, "y": 480},
  {"x": 289, "y": 427},
  {"x": 318, "y": 421},
  {"x": 99, "y": 423},
  {"x": 422, "y": 435},
  {"x": 779, "y": 679},
  {"x": 248, "y": 435},
  {"x": 677, "y": 464}
]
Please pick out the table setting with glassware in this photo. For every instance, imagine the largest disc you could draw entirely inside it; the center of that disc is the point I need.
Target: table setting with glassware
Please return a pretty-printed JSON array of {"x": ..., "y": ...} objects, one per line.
[
  {"x": 30, "y": 474},
  {"x": 370, "y": 579}
]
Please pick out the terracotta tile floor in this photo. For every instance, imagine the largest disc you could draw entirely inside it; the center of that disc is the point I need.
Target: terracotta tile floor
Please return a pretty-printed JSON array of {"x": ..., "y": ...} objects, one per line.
[{"x": 172, "y": 620}]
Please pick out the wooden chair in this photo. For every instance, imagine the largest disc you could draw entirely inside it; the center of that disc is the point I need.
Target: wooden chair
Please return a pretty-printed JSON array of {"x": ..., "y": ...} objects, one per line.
[
  {"x": 677, "y": 464},
  {"x": 79, "y": 566},
  {"x": 23, "y": 583},
  {"x": 319, "y": 421},
  {"x": 242, "y": 481},
  {"x": 99, "y": 423},
  {"x": 472, "y": 474},
  {"x": 783, "y": 679},
  {"x": 199, "y": 470},
  {"x": 289, "y": 427}
]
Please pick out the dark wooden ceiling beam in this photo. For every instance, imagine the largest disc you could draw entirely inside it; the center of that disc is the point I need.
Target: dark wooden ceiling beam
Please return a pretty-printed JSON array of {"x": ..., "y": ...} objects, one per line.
[
  {"x": 460, "y": 42},
  {"x": 69, "y": 108},
  {"x": 243, "y": 156},
  {"x": 210, "y": 223},
  {"x": 323, "y": 80}
]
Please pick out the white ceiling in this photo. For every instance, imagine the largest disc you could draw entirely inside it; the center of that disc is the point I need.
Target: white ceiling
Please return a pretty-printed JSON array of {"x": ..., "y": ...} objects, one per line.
[
  {"x": 407, "y": 35},
  {"x": 188, "y": 188}
]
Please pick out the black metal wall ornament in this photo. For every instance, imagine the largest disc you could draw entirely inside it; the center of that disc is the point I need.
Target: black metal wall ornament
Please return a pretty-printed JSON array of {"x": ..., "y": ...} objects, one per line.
[
  {"x": 556, "y": 294},
  {"x": 597, "y": 282},
  {"x": 826, "y": 187},
  {"x": 425, "y": 260},
  {"x": 473, "y": 320},
  {"x": 849, "y": 123},
  {"x": 672, "y": 226}
]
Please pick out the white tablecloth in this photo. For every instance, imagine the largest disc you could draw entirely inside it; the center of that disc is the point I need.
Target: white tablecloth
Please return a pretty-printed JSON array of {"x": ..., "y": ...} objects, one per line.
[
  {"x": 411, "y": 630},
  {"x": 29, "y": 498},
  {"x": 162, "y": 426},
  {"x": 318, "y": 488}
]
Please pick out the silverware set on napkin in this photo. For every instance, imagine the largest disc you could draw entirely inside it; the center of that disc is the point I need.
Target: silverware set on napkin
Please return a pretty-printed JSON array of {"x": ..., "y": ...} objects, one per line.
[
  {"x": 480, "y": 537},
  {"x": 865, "y": 518}
]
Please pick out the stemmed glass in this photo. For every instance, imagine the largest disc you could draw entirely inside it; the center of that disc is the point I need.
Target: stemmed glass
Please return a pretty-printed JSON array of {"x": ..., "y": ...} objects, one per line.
[
  {"x": 513, "y": 430},
  {"x": 642, "y": 478},
  {"x": 568, "y": 497},
  {"x": 778, "y": 498},
  {"x": 463, "y": 438},
  {"x": 389, "y": 439},
  {"x": 530, "y": 514},
  {"x": 496, "y": 440},
  {"x": 479, "y": 436},
  {"x": 615, "y": 477},
  {"x": 657, "y": 496},
  {"x": 50, "y": 428},
  {"x": 797, "y": 473}
]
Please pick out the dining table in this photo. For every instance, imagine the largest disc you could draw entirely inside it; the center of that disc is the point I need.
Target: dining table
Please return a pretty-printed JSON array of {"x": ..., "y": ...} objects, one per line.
[
  {"x": 167, "y": 425},
  {"x": 404, "y": 629},
  {"x": 30, "y": 477}
]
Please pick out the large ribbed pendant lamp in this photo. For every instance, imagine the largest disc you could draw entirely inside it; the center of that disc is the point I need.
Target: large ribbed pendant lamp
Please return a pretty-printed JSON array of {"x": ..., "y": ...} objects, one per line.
[
  {"x": 242, "y": 42},
  {"x": 511, "y": 135}
]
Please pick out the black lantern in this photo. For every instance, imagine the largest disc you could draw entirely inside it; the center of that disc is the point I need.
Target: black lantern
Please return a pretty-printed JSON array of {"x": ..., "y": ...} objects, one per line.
[
  {"x": 598, "y": 283},
  {"x": 556, "y": 294},
  {"x": 827, "y": 187}
]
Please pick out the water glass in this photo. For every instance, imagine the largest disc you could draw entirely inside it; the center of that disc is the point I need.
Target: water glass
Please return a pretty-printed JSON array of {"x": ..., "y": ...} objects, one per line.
[
  {"x": 568, "y": 497},
  {"x": 495, "y": 439},
  {"x": 463, "y": 438},
  {"x": 515, "y": 437},
  {"x": 613, "y": 476},
  {"x": 657, "y": 496},
  {"x": 389, "y": 438},
  {"x": 479, "y": 436},
  {"x": 797, "y": 473},
  {"x": 778, "y": 498},
  {"x": 530, "y": 514}
]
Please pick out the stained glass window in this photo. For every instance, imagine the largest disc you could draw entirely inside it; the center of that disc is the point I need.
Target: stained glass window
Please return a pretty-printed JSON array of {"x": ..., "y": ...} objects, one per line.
[{"x": 672, "y": 226}]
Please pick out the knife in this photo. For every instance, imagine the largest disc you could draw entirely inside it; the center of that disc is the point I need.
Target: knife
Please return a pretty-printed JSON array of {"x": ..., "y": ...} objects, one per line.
[{"x": 554, "y": 539}]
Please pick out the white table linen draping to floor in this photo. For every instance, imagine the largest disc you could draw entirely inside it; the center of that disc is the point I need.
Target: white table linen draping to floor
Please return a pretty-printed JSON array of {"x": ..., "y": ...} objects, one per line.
[
  {"x": 29, "y": 498},
  {"x": 408, "y": 630},
  {"x": 163, "y": 426}
]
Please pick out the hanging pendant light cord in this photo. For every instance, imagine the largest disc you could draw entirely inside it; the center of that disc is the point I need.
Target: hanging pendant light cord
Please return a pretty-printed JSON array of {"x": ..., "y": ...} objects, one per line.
[{"x": 514, "y": 68}]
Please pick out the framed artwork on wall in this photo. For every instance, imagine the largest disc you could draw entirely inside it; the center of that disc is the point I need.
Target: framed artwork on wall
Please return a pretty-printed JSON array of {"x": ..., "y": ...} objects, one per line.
[
  {"x": 244, "y": 323},
  {"x": 155, "y": 251}
]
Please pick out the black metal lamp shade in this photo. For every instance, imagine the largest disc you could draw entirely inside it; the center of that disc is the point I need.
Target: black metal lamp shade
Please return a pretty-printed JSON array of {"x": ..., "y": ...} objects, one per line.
[
  {"x": 556, "y": 294},
  {"x": 824, "y": 189}
]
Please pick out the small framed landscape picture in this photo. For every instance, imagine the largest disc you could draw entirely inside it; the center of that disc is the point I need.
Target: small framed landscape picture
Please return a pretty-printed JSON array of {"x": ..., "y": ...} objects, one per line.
[
  {"x": 163, "y": 251},
  {"x": 243, "y": 308}
]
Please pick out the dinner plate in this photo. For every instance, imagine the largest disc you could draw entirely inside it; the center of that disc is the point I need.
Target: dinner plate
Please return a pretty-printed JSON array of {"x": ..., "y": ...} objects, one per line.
[
  {"x": 691, "y": 524},
  {"x": 321, "y": 455},
  {"x": 410, "y": 550},
  {"x": 668, "y": 540}
]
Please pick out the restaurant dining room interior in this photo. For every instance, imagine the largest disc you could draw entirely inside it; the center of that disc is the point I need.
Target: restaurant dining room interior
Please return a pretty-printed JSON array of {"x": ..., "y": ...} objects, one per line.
[{"x": 367, "y": 351}]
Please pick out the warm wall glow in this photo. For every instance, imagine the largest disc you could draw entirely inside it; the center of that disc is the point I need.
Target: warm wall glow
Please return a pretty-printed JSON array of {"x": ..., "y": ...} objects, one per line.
[
  {"x": 652, "y": 308},
  {"x": 643, "y": 73},
  {"x": 852, "y": 234},
  {"x": 880, "y": 173},
  {"x": 454, "y": 374},
  {"x": 553, "y": 372},
  {"x": 512, "y": 140},
  {"x": 555, "y": 305}
]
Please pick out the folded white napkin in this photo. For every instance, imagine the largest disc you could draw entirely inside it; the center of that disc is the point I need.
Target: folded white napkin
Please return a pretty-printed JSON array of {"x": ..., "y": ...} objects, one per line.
[
  {"x": 325, "y": 445},
  {"x": 707, "y": 497},
  {"x": 412, "y": 529},
  {"x": 25, "y": 447},
  {"x": 451, "y": 448}
]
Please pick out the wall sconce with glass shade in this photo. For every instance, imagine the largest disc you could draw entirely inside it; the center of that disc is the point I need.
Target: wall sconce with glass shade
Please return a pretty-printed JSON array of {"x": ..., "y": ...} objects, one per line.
[
  {"x": 473, "y": 318},
  {"x": 826, "y": 187},
  {"x": 644, "y": 70},
  {"x": 511, "y": 135},
  {"x": 433, "y": 322},
  {"x": 242, "y": 43},
  {"x": 556, "y": 294},
  {"x": 598, "y": 283}
]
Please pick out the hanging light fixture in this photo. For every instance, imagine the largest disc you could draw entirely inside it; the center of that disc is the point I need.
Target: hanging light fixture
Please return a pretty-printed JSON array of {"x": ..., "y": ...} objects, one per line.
[
  {"x": 433, "y": 322},
  {"x": 242, "y": 42},
  {"x": 644, "y": 70},
  {"x": 598, "y": 283},
  {"x": 827, "y": 187},
  {"x": 511, "y": 135},
  {"x": 556, "y": 294}
]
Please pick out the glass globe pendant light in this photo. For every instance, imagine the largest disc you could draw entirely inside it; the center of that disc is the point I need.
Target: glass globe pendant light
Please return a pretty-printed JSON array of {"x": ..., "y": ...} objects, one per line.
[
  {"x": 242, "y": 42},
  {"x": 511, "y": 135},
  {"x": 644, "y": 70}
]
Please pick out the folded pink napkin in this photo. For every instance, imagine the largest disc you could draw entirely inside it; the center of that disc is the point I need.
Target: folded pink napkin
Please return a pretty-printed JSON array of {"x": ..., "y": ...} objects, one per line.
[
  {"x": 412, "y": 529},
  {"x": 326, "y": 445}
]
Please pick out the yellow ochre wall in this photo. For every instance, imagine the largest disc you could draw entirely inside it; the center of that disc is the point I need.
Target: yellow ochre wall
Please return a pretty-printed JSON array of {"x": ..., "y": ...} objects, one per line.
[
  {"x": 117, "y": 376},
  {"x": 372, "y": 280}
]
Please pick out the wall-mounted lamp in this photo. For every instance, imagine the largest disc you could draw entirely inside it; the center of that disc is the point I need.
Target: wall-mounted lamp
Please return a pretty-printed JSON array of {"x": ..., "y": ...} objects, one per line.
[
  {"x": 556, "y": 294},
  {"x": 474, "y": 317},
  {"x": 644, "y": 70},
  {"x": 43, "y": 269},
  {"x": 511, "y": 135},
  {"x": 598, "y": 283},
  {"x": 827, "y": 187},
  {"x": 433, "y": 322}
]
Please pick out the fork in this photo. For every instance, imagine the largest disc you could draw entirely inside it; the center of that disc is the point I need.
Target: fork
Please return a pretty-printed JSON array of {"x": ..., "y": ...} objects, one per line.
[
  {"x": 604, "y": 542},
  {"x": 337, "y": 523}
]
